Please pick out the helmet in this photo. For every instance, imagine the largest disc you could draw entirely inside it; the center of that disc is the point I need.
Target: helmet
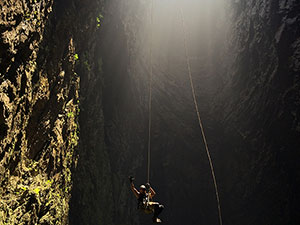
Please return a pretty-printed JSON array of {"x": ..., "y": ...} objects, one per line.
[{"x": 143, "y": 187}]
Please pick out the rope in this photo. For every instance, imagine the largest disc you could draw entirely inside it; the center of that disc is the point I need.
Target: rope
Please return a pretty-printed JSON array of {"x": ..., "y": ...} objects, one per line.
[
  {"x": 199, "y": 118},
  {"x": 150, "y": 98}
]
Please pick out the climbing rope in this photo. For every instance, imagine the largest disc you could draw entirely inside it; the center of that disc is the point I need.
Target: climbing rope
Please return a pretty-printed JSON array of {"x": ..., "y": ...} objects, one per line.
[
  {"x": 150, "y": 96},
  {"x": 199, "y": 118}
]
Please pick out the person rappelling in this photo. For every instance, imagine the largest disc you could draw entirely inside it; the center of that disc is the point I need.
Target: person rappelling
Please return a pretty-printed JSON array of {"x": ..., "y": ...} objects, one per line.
[{"x": 145, "y": 203}]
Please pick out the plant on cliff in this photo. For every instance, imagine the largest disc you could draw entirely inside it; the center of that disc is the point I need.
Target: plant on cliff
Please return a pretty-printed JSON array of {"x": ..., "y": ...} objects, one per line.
[
  {"x": 98, "y": 19},
  {"x": 76, "y": 57}
]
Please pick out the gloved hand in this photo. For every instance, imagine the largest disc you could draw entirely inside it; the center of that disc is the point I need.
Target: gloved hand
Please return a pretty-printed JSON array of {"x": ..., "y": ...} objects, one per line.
[
  {"x": 148, "y": 186},
  {"x": 131, "y": 179}
]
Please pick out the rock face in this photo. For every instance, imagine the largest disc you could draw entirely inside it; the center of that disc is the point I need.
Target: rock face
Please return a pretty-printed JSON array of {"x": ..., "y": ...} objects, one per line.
[
  {"x": 261, "y": 114},
  {"x": 109, "y": 126},
  {"x": 39, "y": 106}
]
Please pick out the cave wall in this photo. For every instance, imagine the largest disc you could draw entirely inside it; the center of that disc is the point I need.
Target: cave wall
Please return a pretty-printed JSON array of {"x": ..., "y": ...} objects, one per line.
[
  {"x": 62, "y": 78},
  {"x": 260, "y": 114},
  {"x": 42, "y": 47},
  {"x": 109, "y": 128}
]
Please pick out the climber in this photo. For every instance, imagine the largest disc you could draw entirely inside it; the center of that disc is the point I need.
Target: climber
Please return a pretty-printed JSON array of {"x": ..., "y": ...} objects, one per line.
[{"x": 145, "y": 203}]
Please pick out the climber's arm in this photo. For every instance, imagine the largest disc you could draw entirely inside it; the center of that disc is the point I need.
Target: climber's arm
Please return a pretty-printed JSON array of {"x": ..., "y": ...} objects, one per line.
[
  {"x": 153, "y": 193},
  {"x": 134, "y": 190}
]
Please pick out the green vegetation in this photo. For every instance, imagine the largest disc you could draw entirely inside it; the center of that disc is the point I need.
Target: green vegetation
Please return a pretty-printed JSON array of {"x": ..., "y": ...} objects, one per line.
[
  {"x": 70, "y": 114},
  {"x": 99, "y": 19},
  {"x": 76, "y": 57},
  {"x": 36, "y": 188}
]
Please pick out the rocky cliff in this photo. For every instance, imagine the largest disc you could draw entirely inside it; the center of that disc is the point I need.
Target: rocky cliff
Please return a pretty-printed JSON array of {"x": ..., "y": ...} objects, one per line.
[
  {"x": 41, "y": 46},
  {"x": 261, "y": 114}
]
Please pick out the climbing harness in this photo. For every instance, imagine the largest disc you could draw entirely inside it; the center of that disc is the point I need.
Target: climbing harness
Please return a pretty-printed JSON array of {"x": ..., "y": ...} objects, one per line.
[
  {"x": 144, "y": 204},
  {"x": 199, "y": 118}
]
